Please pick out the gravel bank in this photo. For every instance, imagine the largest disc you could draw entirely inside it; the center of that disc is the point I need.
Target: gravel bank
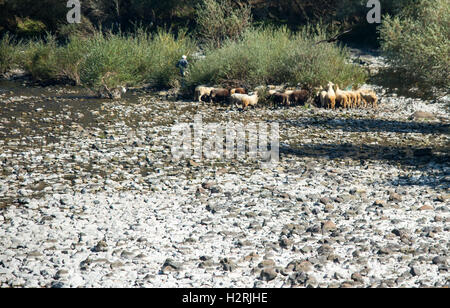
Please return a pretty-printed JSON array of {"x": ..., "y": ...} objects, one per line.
[{"x": 90, "y": 196}]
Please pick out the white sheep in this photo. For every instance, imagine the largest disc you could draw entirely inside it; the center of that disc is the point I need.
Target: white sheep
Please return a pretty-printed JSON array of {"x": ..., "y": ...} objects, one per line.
[
  {"x": 202, "y": 90},
  {"x": 245, "y": 100},
  {"x": 250, "y": 100},
  {"x": 236, "y": 98},
  {"x": 323, "y": 98},
  {"x": 330, "y": 98}
]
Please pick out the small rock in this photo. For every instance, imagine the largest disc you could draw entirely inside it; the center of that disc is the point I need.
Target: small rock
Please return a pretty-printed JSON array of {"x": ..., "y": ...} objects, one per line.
[
  {"x": 422, "y": 115},
  {"x": 394, "y": 197},
  {"x": 61, "y": 273},
  {"x": 379, "y": 203},
  {"x": 266, "y": 263},
  {"x": 426, "y": 208},
  {"x": 208, "y": 185},
  {"x": 441, "y": 198},
  {"x": 325, "y": 200},
  {"x": 115, "y": 265},
  {"x": 384, "y": 251},
  {"x": 285, "y": 243},
  {"x": 304, "y": 266},
  {"x": 357, "y": 277},
  {"x": 328, "y": 226},
  {"x": 35, "y": 254},
  {"x": 415, "y": 271},
  {"x": 325, "y": 250},
  {"x": 439, "y": 260},
  {"x": 306, "y": 249},
  {"x": 170, "y": 266},
  {"x": 57, "y": 285},
  {"x": 101, "y": 247},
  {"x": 268, "y": 274},
  {"x": 311, "y": 282},
  {"x": 228, "y": 265}
]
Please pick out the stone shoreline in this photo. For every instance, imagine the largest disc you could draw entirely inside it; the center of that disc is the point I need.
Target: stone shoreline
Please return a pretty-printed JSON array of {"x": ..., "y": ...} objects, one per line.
[{"x": 90, "y": 196}]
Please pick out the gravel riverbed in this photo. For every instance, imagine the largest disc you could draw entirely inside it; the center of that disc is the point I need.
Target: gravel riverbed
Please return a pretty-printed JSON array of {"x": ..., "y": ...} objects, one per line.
[{"x": 91, "y": 197}]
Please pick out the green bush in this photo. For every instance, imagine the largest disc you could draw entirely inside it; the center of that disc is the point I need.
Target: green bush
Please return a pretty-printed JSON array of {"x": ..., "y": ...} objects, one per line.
[
  {"x": 117, "y": 59},
  {"x": 9, "y": 54},
  {"x": 110, "y": 59},
  {"x": 277, "y": 56},
  {"x": 164, "y": 50},
  {"x": 417, "y": 42},
  {"x": 30, "y": 27},
  {"x": 39, "y": 58},
  {"x": 219, "y": 20}
]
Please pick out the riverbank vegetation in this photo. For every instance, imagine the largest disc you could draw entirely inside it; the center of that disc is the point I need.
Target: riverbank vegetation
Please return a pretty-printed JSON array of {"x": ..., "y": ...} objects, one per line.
[
  {"x": 277, "y": 56},
  {"x": 417, "y": 42},
  {"x": 250, "y": 42},
  {"x": 101, "y": 59}
]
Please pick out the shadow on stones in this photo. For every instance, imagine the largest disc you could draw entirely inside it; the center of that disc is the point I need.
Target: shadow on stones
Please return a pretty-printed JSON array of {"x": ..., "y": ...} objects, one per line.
[
  {"x": 408, "y": 156},
  {"x": 431, "y": 161},
  {"x": 372, "y": 125}
]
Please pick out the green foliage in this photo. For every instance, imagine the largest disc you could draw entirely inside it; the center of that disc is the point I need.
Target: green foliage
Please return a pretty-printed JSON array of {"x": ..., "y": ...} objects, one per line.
[
  {"x": 346, "y": 9},
  {"x": 8, "y": 54},
  {"x": 39, "y": 58},
  {"x": 219, "y": 20},
  {"x": 110, "y": 59},
  {"x": 417, "y": 42},
  {"x": 277, "y": 56},
  {"x": 30, "y": 17},
  {"x": 83, "y": 29},
  {"x": 29, "y": 27}
]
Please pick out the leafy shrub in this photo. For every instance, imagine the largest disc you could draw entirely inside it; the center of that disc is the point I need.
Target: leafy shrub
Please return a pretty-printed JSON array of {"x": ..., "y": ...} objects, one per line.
[
  {"x": 30, "y": 27},
  {"x": 110, "y": 59},
  {"x": 39, "y": 58},
  {"x": 417, "y": 42},
  {"x": 219, "y": 20},
  {"x": 8, "y": 54},
  {"x": 277, "y": 56}
]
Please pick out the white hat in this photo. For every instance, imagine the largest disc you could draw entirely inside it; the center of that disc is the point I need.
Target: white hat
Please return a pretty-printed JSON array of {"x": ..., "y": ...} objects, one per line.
[{"x": 184, "y": 57}]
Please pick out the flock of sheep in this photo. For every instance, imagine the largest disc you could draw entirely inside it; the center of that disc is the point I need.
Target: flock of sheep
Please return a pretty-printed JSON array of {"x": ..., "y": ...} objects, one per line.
[
  {"x": 221, "y": 95},
  {"x": 331, "y": 97}
]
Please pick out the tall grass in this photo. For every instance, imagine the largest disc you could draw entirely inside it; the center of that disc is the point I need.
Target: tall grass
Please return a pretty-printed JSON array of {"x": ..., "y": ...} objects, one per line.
[
  {"x": 131, "y": 60},
  {"x": 259, "y": 57},
  {"x": 277, "y": 56},
  {"x": 39, "y": 58},
  {"x": 9, "y": 54},
  {"x": 110, "y": 59},
  {"x": 219, "y": 20}
]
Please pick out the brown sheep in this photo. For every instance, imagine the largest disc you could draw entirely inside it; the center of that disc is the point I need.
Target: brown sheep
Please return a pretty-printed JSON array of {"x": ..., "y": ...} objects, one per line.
[
  {"x": 351, "y": 99},
  {"x": 341, "y": 97},
  {"x": 279, "y": 98},
  {"x": 238, "y": 90},
  {"x": 369, "y": 97},
  {"x": 299, "y": 97},
  {"x": 220, "y": 95}
]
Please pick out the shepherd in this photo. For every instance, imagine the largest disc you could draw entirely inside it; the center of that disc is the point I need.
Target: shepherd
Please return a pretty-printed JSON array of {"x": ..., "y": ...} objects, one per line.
[{"x": 182, "y": 65}]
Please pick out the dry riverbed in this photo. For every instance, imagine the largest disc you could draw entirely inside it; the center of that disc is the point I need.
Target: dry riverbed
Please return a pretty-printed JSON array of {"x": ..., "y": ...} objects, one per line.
[{"x": 91, "y": 197}]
